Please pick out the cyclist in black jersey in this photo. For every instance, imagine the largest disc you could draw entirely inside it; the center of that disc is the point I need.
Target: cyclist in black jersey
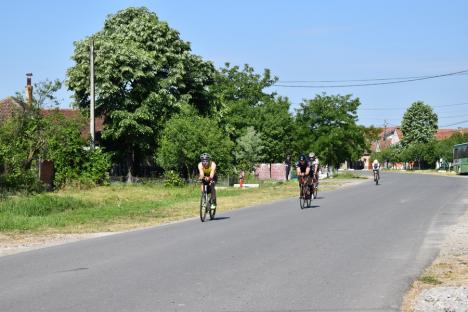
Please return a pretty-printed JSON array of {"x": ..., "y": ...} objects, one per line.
[{"x": 303, "y": 170}]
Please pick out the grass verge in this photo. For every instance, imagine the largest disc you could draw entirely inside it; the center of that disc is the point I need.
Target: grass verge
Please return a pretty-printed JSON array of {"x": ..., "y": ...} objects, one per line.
[{"x": 122, "y": 207}]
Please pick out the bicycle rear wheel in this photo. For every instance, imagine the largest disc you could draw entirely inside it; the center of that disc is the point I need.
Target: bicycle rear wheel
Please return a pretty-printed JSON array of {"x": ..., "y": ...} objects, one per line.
[
  {"x": 212, "y": 211},
  {"x": 308, "y": 196}
]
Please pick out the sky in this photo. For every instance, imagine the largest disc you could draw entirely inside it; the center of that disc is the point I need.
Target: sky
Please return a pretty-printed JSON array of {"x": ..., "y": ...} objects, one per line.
[{"x": 297, "y": 40}]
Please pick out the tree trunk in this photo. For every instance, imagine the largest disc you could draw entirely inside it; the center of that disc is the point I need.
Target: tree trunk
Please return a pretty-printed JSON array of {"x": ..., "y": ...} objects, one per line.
[{"x": 130, "y": 165}]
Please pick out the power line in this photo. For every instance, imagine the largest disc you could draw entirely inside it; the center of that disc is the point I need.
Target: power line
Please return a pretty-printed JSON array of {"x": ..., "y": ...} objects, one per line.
[
  {"x": 375, "y": 83},
  {"x": 350, "y": 80},
  {"x": 353, "y": 80},
  {"x": 456, "y": 123},
  {"x": 401, "y": 108}
]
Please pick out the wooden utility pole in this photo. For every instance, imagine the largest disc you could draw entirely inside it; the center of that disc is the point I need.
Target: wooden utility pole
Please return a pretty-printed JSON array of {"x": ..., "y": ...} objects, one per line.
[{"x": 91, "y": 79}]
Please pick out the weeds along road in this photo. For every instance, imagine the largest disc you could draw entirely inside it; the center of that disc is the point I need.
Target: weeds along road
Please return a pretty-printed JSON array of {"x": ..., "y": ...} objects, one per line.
[{"x": 356, "y": 249}]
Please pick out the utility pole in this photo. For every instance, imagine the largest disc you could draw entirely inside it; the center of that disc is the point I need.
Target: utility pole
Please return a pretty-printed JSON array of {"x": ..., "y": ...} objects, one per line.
[
  {"x": 91, "y": 80},
  {"x": 385, "y": 130}
]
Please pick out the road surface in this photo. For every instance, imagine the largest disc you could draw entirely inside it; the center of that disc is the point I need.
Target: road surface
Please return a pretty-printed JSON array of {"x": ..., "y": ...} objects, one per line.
[{"x": 356, "y": 249}]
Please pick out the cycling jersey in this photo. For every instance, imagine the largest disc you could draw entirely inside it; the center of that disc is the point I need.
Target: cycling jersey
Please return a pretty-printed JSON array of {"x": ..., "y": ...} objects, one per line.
[
  {"x": 303, "y": 166},
  {"x": 207, "y": 170}
]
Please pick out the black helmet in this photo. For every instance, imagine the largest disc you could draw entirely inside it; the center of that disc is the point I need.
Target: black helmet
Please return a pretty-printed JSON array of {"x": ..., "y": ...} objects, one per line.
[
  {"x": 205, "y": 157},
  {"x": 302, "y": 157}
]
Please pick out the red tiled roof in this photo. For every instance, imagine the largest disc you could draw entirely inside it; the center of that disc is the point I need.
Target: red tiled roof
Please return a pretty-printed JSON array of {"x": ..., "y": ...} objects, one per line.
[
  {"x": 442, "y": 134},
  {"x": 75, "y": 113},
  {"x": 9, "y": 105}
]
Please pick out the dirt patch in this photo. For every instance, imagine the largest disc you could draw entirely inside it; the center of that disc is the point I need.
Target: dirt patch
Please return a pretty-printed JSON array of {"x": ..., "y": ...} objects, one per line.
[
  {"x": 444, "y": 285},
  {"x": 12, "y": 244}
]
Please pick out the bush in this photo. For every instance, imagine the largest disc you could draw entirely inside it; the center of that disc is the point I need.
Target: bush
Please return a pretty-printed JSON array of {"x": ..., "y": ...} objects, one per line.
[{"x": 172, "y": 179}]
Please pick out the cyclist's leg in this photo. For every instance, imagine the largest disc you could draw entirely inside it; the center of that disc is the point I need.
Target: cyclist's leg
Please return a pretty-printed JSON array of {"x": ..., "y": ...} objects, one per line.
[{"x": 213, "y": 193}]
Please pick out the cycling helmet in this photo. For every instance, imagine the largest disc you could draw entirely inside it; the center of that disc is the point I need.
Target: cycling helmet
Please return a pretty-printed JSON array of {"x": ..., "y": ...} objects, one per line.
[
  {"x": 302, "y": 158},
  {"x": 205, "y": 157},
  {"x": 312, "y": 155}
]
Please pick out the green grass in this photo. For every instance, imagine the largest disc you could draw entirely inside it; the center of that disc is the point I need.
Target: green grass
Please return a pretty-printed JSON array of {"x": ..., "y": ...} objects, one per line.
[
  {"x": 348, "y": 175},
  {"x": 429, "y": 279},
  {"x": 121, "y": 206}
]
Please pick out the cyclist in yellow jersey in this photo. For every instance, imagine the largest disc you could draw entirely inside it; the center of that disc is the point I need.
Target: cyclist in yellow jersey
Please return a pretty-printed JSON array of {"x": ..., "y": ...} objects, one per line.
[{"x": 207, "y": 171}]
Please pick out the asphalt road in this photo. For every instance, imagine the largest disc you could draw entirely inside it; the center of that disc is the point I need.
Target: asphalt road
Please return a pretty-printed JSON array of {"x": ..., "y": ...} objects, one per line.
[{"x": 356, "y": 249}]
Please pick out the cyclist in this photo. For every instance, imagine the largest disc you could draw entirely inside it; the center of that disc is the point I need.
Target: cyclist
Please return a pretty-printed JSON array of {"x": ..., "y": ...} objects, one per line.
[
  {"x": 314, "y": 166},
  {"x": 303, "y": 169},
  {"x": 207, "y": 171},
  {"x": 376, "y": 168}
]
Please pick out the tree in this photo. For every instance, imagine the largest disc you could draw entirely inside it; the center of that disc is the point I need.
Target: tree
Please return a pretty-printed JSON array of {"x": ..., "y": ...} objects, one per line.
[
  {"x": 327, "y": 126},
  {"x": 44, "y": 93},
  {"x": 144, "y": 74},
  {"x": 186, "y": 137},
  {"x": 74, "y": 162},
  {"x": 444, "y": 148},
  {"x": 419, "y": 124},
  {"x": 21, "y": 141},
  {"x": 236, "y": 95},
  {"x": 275, "y": 124},
  {"x": 249, "y": 149}
]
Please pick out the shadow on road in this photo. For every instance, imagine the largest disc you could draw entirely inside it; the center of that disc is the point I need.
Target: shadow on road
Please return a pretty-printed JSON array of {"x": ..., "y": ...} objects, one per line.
[
  {"x": 312, "y": 207},
  {"x": 220, "y": 218}
]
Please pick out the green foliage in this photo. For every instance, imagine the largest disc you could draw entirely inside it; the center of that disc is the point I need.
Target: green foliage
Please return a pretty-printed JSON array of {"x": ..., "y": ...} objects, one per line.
[
  {"x": 144, "y": 73},
  {"x": 74, "y": 162},
  {"x": 44, "y": 93},
  {"x": 236, "y": 94},
  {"x": 444, "y": 148},
  {"x": 275, "y": 124},
  {"x": 249, "y": 149},
  {"x": 419, "y": 124},
  {"x": 21, "y": 140},
  {"x": 327, "y": 126},
  {"x": 172, "y": 179},
  {"x": 186, "y": 137}
]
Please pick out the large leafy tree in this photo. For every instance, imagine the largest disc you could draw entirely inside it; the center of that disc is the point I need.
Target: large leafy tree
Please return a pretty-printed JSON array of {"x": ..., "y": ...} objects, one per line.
[
  {"x": 144, "y": 73},
  {"x": 237, "y": 94},
  {"x": 327, "y": 126},
  {"x": 419, "y": 124},
  {"x": 275, "y": 124},
  {"x": 186, "y": 137},
  {"x": 249, "y": 149}
]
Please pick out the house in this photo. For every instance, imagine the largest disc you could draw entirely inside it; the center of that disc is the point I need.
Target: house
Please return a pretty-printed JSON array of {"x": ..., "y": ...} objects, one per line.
[
  {"x": 387, "y": 137},
  {"x": 8, "y": 106},
  {"x": 443, "y": 134},
  {"x": 393, "y": 135},
  {"x": 11, "y": 104}
]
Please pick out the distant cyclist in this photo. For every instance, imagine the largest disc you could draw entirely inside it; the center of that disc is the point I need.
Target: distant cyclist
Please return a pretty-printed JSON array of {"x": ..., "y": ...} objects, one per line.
[
  {"x": 207, "y": 171},
  {"x": 314, "y": 167},
  {"x": 376, "y": 169},
  {"x": 303, "y": 169}
]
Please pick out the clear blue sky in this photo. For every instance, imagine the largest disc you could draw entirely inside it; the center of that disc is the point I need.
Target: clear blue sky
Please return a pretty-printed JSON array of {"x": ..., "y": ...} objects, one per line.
[{"x": 297, "y": 40}]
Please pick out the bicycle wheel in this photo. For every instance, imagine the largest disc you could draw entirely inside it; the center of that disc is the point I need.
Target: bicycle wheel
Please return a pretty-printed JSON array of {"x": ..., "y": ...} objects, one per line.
[
  {"x": 302, "y": 200},
  {"x": 308, "y": 196},
  {"x": 212, "y": 211},
  {"x": 203, "y": 206},
  {"x": 315, "y": 191}
]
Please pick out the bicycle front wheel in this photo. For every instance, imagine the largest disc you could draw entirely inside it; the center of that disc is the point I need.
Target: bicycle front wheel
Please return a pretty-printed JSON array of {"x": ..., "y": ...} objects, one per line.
[{"x": 203, "y": 206}]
